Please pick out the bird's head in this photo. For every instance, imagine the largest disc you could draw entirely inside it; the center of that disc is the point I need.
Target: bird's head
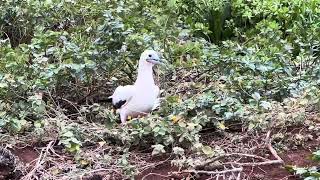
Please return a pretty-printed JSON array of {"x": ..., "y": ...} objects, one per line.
[{"x": 150, "y": 56}]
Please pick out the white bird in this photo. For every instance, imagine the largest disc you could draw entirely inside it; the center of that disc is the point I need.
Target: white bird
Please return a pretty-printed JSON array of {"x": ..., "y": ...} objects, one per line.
[{"x": 141, "y": 97}]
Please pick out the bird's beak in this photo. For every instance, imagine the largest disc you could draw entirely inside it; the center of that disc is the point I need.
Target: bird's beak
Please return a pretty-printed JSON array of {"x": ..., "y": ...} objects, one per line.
[{"x": 155, "y": 61}]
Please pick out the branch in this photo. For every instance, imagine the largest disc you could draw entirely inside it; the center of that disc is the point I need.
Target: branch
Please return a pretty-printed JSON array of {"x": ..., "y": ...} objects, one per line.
[
  {"x": 154, "y": 174},
  {"x": 272, "y": 150},
  {"x": 264, "y": 162},
  {"x": 253, "y": 164},
  {"x": 229, "y": 155},
  {"x": 208, "y": 172}
]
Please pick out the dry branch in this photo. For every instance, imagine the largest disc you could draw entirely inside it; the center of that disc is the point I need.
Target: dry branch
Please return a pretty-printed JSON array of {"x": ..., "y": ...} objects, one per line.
[
  {"x": 99, "y": 170},
  {"x": 153, "y": 174},
  {"x": 209, "y": 172},
  {"x": 263, "y": 161},
  {"x": 254, "y": 164},
  {"x": 272, "y": 150},
  {"x": 229, "y": 155}
]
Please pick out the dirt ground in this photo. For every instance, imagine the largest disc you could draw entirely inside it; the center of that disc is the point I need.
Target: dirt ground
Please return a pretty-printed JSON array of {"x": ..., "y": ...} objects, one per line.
[
  {"x": 297, "y": 155},
  {"x": 28, "y": 155}
]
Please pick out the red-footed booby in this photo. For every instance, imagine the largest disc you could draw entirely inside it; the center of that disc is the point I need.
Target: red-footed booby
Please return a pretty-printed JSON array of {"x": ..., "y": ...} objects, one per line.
[{"x": 141, "y": 97}]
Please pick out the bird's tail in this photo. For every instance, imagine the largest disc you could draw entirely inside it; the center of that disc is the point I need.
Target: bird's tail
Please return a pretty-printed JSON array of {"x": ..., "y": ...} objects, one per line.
[
  {"x": 109, "y": 99},
  {"x": 100, "y": 100}
]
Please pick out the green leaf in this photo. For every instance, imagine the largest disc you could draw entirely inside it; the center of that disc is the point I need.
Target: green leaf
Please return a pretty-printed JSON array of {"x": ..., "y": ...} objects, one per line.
[
  {"x": 37, "y": 124},
  {"x": 207, "y": 150},
  {"x": 156, "y": 129},
  {"x": 162, "y": 132},
  {"x": 68, "y": 134},
  {"x": 3, "y": 122},
  {"x": 266, "y": 105},
  {"x": 316, "y": 156},
  {"x": 157, "y": 149},
  {"x": 178, "y": 150},
  {"x": 74, "y": 148},
  {"x": 256, "y": 96},
  {"x": 2, "y": 113},
  {"x": 3, "y": 85},
  {"x": 228, "y": 115},
  {"x": 251, "y": 126},
  {"x": 172, "y": 3},
  {"x": 221, "y": 125},
  {"x": 300, "y": 171}
]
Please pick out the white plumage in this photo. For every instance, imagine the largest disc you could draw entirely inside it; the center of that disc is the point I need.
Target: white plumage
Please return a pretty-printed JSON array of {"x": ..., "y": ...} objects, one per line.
[
  {"x": 122, "y": 93},
  {"x": 141, "y": 97}
]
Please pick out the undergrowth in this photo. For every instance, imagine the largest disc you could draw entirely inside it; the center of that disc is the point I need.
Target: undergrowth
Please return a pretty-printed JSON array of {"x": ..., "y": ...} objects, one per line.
[{"x": 255, "y": 63}]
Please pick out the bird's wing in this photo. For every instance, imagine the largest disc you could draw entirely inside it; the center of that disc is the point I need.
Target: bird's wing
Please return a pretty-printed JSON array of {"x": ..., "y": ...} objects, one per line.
[
  {"x": 157, "y": 102},
  {"x": 122, "y": 95}
]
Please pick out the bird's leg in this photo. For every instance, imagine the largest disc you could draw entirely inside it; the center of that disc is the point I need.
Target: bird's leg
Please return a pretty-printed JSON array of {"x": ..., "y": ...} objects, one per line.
[{"x": 123, "y": 117}]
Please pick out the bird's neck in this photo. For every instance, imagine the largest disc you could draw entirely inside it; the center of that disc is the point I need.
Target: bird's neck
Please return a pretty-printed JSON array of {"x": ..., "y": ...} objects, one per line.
[{"x": 145, "y": 74}]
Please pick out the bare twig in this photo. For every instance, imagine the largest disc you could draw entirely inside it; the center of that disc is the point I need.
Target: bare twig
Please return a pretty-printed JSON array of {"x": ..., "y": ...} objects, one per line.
[
  {"x": 263, "y": 161},
  {"x": 153, "y": 165},
  {"x": 99, "y": 170},
  {"x": 154, "y": 174},
  {"x": 272, "y": 150},
  {"x": 209, "y": 172},
  {"x": 229, "y": 155},
  {"x": 253, "y": 164}
]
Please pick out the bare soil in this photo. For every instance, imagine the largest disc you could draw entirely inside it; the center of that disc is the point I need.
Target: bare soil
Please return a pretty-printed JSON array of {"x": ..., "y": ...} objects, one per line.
[
  {"x": 294, "y": 156},
  {"x": 27, "y": 155}
]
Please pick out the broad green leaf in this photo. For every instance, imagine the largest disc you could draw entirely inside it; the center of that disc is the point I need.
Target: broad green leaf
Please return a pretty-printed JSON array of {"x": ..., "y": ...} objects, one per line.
[
  {"x": 221, "y": 125},
  {"x": 256, "y": 96},
  {"x": 207, "y": 150},
  {"x": 300, "y": 171},
  {"x": 266, "y": 105},
  {"x": 157, "y": 149},
  {"x": 68, "y": 134},
  {"x": 178, "y": 150}
]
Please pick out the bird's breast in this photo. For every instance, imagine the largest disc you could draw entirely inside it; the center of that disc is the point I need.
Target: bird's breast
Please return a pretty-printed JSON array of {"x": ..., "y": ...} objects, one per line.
[{"x": 142, "y": 101}]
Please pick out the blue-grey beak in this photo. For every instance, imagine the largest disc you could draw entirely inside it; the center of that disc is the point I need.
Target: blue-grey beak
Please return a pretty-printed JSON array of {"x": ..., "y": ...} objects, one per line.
[{"x": 155, "y": 60}]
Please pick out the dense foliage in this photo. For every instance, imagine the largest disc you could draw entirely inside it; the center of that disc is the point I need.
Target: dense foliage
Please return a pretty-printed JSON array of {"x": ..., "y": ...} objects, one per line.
[{"x": 254, "y": 62}]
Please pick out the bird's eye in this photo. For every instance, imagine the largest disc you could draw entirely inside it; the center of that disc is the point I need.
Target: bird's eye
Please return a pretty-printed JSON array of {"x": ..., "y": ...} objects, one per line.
[{"x": 150, "y": 55}]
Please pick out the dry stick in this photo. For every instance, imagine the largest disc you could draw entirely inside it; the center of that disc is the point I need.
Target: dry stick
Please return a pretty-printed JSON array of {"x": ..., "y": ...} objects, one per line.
[
  {"x": 272, "y": 150},
  {"x": 155, "y": 174},
  {"x": 155, "y": 164},
  {"x": 42, "y": 155},
  {"x": 265, "y": 162},
  {"x": 255, "y": 163},
  {"x": 240, "y": 165},
  {"x": 228, "y": 155},
  {"x": 99, "y": 170},
  {"x": 208, "y": 172}
]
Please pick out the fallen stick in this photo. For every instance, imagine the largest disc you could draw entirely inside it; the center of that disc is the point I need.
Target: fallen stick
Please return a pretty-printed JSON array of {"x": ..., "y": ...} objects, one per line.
[
  {"x": 98, "y": 170},
  {"x": 154, "y": 174},
  {"x": 264, "y": 162},
  {"x": 208, "y": 172},
  {"x": 253, "y": 164},
  {"x": 229, "y": 155},
  {"x": 271, "y": 149}
]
